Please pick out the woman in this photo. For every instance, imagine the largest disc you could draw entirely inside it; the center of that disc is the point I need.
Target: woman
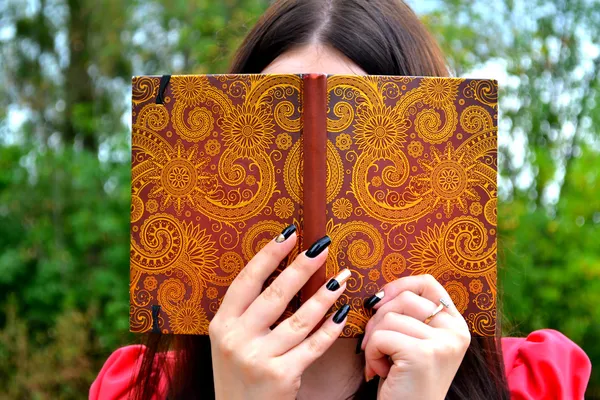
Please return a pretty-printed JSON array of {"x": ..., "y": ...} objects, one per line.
[{"x": 411, "y": 354}]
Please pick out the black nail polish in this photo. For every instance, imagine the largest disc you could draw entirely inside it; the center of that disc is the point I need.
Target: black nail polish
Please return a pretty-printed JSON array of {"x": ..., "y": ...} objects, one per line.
[
  {"x": 318, "y": 247},
  {"x": 338, "y": 280},
  {"x": 333, "y": 285},
  {"x": 285, "y": 234},
  {"x": 360, "y": 339},
  {"x": 341, "y": 314},
  {"x": 371, "y": 301}
]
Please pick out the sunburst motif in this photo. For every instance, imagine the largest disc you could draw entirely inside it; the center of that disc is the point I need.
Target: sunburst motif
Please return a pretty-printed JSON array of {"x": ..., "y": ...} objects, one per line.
[
  {"x": 380, "y": 131},
  {"x": 427, "y": 256},
  {"x": 179, "y": 177},
  {"x": 439, "y": 92},
  {"x": 448, "y": 178},
  {"x": 200, "y": 251},
  {"x": 190, "y": 89},
  {"x": 188, "y": 318},
  {"x": 248, "y": 130}
]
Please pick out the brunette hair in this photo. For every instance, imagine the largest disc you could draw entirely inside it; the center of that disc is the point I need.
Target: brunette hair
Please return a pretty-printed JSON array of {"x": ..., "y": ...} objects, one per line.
[{"x": 383, "y": 37}]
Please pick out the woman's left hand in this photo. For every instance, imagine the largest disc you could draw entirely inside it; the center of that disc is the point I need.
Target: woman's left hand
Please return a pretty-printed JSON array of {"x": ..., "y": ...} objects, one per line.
[{"x": 424, "y": 357}]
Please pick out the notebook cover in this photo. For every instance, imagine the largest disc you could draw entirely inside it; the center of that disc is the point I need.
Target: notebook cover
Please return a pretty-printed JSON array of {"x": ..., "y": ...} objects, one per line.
[
  {"x": 408, "y": 187},
  {"x": 412, "y": 189},
  {"x": 208, "y": 189}
]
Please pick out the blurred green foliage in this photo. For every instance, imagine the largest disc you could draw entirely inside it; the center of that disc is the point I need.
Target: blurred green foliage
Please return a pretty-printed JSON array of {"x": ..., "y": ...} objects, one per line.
[{"x": 65, "y": 69}]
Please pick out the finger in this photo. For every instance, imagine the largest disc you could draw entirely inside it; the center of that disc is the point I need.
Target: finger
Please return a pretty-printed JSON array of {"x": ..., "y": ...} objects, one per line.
[
  {"x": 397, "y": 345},
  {"x": 405, "y": 324},
  {"x": 271, "y": 303},
  {"x": 294, "y": 329},
  {"x": 317, "y": 344},
  {"x": 248, "y": 284},
  {"x": 423, "y": 285},
  {"x": 410, "y": 304}
]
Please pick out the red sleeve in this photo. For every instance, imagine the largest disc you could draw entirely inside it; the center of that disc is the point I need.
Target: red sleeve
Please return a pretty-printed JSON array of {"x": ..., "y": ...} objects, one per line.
[
  {"x": 545, "y": 365},
  {"x": 113, "y": 380}
]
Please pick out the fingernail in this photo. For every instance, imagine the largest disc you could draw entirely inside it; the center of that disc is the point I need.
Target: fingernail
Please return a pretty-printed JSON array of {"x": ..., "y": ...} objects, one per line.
[
  {"x": 367, "y": 378},
  {"x": 318, "y": 247},
  {"x": 335, "y": 283},
  {"x": 371, "y": 301},
  {"x": 285, "y": 234},
  {"x": 359, "y": 344},
  {"x": 341, "y": 314}
]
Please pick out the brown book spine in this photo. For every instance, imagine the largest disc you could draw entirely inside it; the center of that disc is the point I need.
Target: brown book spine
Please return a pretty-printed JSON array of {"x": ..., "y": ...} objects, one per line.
[{"x": 315, "y": 169}]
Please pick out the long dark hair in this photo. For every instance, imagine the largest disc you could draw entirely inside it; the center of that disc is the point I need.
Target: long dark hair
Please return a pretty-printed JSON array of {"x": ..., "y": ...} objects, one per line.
[{"x": 383, "y": 37}]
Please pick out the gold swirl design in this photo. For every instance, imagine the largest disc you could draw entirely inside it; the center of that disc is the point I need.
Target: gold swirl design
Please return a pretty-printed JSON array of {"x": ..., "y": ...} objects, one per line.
[
  {"x": 428, "y": 124},
  {"x": 459, "y": 295},
  {"x": 170, "y": 292},
  {"x": 188, "y": 318},
  {"x": 382, "y": 209},
  {"x": 483, "y": 323},
  {"x": 485, "y": 301},
  {"x": 486, "y": 92},
  {"x": 465, "y": 245},
  {"x": 475, "y": 119},
  {"x": 263, "y": 86},
  {"x": 359, "y": 252},
  {"x": 283, "y": 111},
  {"x": 140, "y": 319},
  {"x": 198, "y": 125},
  {"x": 253, "y": 240},
  {"x": 396, "y": 174},
  {"x": 393, "y": 266},
  {"x": 137, "y": 208},
  {"x": 231, "y": 263},
  {"x": 162, "y": 244},
  {"x": 367, "y": 88},
  {"x": 490, "y": 211},
  {"x": 345, "y": 114},
  {"x": 231, "y": 205},
  {"x": 143, "y": 88},
  {"x": 154, "y": 117}
]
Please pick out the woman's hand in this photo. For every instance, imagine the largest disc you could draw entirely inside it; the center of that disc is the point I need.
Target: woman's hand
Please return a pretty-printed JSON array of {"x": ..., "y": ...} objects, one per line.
[
  {"x": 251, "y": 361},
  {"x": 414, "y": 359}
]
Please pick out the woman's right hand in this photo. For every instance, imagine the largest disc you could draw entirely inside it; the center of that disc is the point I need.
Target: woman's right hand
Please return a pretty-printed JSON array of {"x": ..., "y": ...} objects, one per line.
[{"x": 251, "y": 361}]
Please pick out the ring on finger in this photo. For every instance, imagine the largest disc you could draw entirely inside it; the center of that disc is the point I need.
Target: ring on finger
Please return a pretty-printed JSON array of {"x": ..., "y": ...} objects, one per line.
[{"x": 443, "y": 303}]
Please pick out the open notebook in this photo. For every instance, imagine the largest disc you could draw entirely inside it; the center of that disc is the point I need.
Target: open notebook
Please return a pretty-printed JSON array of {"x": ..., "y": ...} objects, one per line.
[{"x": 399, "y": 171}]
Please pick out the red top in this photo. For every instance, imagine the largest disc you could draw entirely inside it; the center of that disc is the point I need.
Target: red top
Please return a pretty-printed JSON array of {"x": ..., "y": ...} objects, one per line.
[{"x": 544, "y": 365}]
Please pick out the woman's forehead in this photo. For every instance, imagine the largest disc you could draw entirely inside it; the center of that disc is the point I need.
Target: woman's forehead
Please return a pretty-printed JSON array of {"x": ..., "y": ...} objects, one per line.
[{"x": 313, "y": 58}]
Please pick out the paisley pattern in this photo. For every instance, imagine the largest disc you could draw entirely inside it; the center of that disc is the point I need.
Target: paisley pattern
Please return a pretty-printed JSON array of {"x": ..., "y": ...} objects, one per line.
[
  {"x": 207, "y": 192},
  {"x": 217, "y": 172},
  {"x": 419, "y": 194}
]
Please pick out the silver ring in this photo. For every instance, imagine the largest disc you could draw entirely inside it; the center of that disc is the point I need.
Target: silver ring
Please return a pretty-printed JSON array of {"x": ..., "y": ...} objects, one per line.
[{"x": 443, "y": 303}]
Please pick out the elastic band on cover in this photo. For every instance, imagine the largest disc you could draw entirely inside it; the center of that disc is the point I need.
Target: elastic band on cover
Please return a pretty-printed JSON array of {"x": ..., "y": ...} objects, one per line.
[
  {"x": 155, "y": 311},
  {"x": 164, "y": 81}
]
